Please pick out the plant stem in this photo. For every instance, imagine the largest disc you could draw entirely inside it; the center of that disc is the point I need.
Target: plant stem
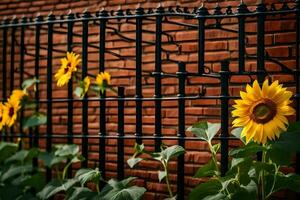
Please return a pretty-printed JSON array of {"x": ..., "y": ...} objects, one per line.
[
  {"x": 274, "y": 181},
  {"x": 262, "y": 175},
  {"x": 213, "y": 156},
  {"x": 97, "y": 187},
  {"x": 167, "y": 180}
]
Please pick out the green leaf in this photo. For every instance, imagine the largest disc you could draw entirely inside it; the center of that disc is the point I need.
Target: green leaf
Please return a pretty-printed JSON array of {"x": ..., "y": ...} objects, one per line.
[
  {"x": 205, "y": 130},
  {"x": 55, "y": 187},
  {"x": 81, "y": 193},
  {"x": 66, "y": 150},
  {"x": 209, "y": 169},
  {"x": 49, "y": 159},
  {"x": 7, "y": 150},
  {"x": 139, "y": 148},
  {"x": 9, "y": 192},
  {"x": 133, "y": 161},
  {"x": 79, "y": 92},
  {"x": 86, "y": 175},
  {"x": 237, "y": 133},
  {"x": 29, "y": 82},
  {"x": 161, "y": 175},
  {"x": 16, "y": 170},
  {"x": 120, "y": 190},
  {"x": 35, "y": 119},
  {"x": 204, "y": 190},
  {"x": 280, "y": 156},
  {"x": 23, "y": 156},
  {"x": 172, "y": 152},
  {"x": 248, "y": 192},
  {"x": 288, "y": 141},
  {"x": 248, "y": 150},
  {"x": 130, "y": 193},
  {"x": 37, "y": 181}
]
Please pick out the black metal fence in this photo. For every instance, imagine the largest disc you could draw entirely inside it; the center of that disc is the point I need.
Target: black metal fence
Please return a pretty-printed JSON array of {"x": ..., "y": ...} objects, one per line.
[{"x": 14, "y": 31}]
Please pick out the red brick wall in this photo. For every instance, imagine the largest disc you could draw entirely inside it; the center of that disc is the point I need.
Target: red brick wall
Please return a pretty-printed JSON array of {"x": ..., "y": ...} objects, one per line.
[{"x": 279, "y": 41}]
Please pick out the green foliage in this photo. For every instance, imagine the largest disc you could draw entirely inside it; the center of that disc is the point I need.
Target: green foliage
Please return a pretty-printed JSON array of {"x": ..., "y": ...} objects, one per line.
[
  {"x": 164, "y": 156},
  {"x": 247, "y": 177},
  {"x": 205, "y": 130},
  {"x": 20, "y": 180},
  {"x": 35, "y": 119}
]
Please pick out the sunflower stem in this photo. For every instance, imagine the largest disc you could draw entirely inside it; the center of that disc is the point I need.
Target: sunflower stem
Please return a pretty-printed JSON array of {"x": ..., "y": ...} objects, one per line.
[{"x": 262, "y": 175}]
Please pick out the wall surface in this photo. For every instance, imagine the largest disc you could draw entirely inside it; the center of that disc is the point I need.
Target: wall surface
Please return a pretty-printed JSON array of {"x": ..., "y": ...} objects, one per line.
[{"x": 179, "y": 44}]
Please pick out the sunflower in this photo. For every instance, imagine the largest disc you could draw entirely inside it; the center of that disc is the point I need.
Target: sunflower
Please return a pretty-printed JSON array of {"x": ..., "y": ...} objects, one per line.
[
  {"x": 17, "y": 95},
  {"x": 2, "y": 122},
  {"x": 68, "y": 66},
  {"x": 262, "y": 111},
  {"x": 103, "y": 79},
  {"x": 10, "y": 111}
]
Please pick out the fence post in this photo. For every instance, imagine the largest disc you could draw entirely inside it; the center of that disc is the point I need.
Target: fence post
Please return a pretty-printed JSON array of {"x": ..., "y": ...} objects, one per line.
[
  {"x": 50, "y": 19},
  {"x": 138, "y": 77},
  {"x": 157, "y": 76},
  {"x": 102, "y": 121},
  {"x": 85, "y": 32},
  {"x": 120, "y": 141},
  {"x": 224, "y": 73},
  {"x": 181, "y": 128}
]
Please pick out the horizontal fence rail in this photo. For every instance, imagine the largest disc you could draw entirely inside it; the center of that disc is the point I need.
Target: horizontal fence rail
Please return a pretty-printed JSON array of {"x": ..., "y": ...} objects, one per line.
[{"x": 87, "y": 34}]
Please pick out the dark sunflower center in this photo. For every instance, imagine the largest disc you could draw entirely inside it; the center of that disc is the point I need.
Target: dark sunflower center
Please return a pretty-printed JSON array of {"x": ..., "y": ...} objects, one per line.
[
  {"x": 264, "y": 111},
  {"x": 67, "y": 67},
  {"x": 1, "y": 119},
  {"x": 11, "y": 112}
]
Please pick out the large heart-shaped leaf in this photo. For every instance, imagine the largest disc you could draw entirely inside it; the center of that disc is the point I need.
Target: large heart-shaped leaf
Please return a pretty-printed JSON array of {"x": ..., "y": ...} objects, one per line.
[
  {"x": 81, "y": 193},
  {"x": 205, "y": 130},
  {"x": 55, "y": 187},
  {"x": 23, "y": 156},
  {"x": 209, "y": 169},
  {"x": 130, "y": 193},
  {"x": 35, "y": 119},
  {"x": 248, "y": 150},
  {"x": 121, "y": 190},
  {"x": 205, "y": 190},
  {"x": 16, "y": 170},
  {"x": 172, "y": 152},
  {"x": 67, "y": 150},
  {"x": 86, "y": 175},
  {"x": 49, "y": 159},
  {"x": 7, "y": 150}
]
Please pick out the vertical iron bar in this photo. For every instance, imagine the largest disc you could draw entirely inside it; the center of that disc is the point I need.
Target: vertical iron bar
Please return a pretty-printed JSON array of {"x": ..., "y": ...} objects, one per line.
[
  {"x": 224, "y": 73},
  {"x": 51, "y": 18},
  {"x": 36, "y": 72},
  {"x": 85, "y": 33},
  {"x": 4, "y": 70},
  {"x": 102, "y": 122},
  {"x": 138, "y": 77},
  {"x": 181, "y": 129},
  {"x": 242, "y": 8},
  {"x": 261, "y": 42},
  {"x": 157, "y": 76},
  {"x": 297, "y": 77},
  {"x": 70, "y": 85},
  {"x": 120, "y": 133},
  {"x": 12, "y": 65},
  {"x": 22, "y": 51},
  {"x": 4, "y": 60},
  {"x": 202, "y": 11}
]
